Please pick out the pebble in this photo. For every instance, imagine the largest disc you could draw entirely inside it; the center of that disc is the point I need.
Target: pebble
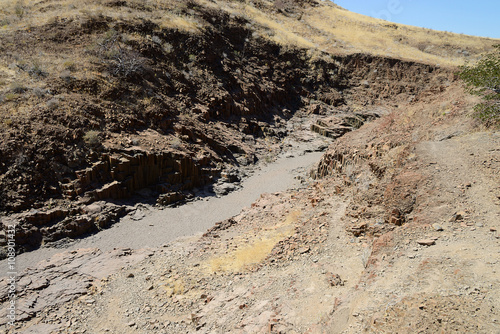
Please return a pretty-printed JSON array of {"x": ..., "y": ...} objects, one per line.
[
  {"x": 437, "y": 227},
  {"x": 457, "y": 216},
  {"x": 304, "y": 249}
]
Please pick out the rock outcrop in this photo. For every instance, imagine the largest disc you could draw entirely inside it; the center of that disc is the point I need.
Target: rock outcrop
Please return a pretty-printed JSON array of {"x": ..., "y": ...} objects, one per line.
[
  {"x": 64, "y": 277},
  {"x": 339, "y": 124}
]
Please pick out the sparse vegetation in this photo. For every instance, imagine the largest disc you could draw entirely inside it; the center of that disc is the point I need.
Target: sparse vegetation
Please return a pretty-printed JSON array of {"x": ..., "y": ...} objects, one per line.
[
  {"x": 335, "y": 29},
  {"x": 483, "y": 79},
  {"x": 36, "y": 70},
  {"x": 118, "y": 57},
  {"x": 18, "y": 88},
  {"x": 139, "y": 99},
  {"x": 11, "y": 96},
  {"x": 19, "y": 9},
  {"x": 92, "y": 138}
]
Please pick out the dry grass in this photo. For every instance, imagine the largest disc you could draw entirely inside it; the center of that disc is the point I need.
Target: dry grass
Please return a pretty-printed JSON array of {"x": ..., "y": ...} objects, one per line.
[
  {"x": 326, "y": 27},
  {"x": 336, "y": 30},
  {"x": 332, "y": 29},
  {"x": 276, "y": 30},
  {"x": 184, "y": 23},
  {"x": 323, "y": 30},
  {"x": 174, "y": 287},
  {"x": 254, "y": 251},
  {"x": 36, "y": 13}
]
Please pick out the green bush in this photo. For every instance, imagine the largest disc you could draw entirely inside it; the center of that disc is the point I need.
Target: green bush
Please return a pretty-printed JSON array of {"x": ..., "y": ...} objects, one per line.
[{"x": 483, "y": 79}]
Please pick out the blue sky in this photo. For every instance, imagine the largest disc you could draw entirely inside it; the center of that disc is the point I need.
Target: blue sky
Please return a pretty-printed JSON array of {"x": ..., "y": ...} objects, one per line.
[{"x": 479, "y": 18}]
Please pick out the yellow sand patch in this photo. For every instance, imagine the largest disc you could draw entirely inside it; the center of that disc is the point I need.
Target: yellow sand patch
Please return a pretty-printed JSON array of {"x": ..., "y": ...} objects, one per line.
[{"x": 255, "y": 250}]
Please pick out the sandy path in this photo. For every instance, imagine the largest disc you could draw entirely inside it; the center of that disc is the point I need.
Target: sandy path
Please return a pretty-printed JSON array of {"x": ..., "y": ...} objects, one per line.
[{"x": 161, "y": 226}]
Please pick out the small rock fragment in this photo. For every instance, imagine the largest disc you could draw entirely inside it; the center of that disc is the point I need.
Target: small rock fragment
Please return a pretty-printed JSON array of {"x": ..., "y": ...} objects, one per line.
[
  {"x": 437, "y": 227},
  {"x": 334, "y": 279},
  {"x": 426, "y": 242},
  {"x": 304, "y": 249},
  {"x": 457, "y": 216}
]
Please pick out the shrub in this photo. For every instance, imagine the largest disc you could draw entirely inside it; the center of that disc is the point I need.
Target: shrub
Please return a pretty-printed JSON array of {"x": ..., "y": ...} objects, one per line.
[
  {"x": 283, "y": 5},
  {"x": 11, "y": 96},
  {"x": 19, "y": 9},
  {"x": 157, "y": 40},
  {"x": 39, "y": 92},
  {"x": 126, "y": 63},
  {"x": 167, "y": 47},
  {"x": 176, "y": 143},
  {"x": 52, "y": 104},
  {"x": 483, "y": 79},
  {"x": 92, "y": 138},
  {"x": 37, "y": 71},
  {"x": 69, "y": 65},
  {"x": 120, "y": 60},
  {"x": 18, "y": 88}
]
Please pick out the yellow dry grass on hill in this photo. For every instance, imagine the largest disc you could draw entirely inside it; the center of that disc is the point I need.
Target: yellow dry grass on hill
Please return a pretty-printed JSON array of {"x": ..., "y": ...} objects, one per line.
[
  {"x": 334, "y": 30},
  {"x": 325, "y": 27},
  {"x": 358, "y": 33}
]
